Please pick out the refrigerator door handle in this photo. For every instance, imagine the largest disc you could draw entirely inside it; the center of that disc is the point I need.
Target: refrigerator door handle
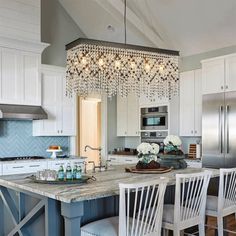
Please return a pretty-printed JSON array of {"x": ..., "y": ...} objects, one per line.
[
  {"x": 227, "y": 127},
  {"x": 221, "y": 128}
]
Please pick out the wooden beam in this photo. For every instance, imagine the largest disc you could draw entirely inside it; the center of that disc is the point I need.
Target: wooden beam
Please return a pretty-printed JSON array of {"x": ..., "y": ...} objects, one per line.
[{"x": 118, "y": 6}]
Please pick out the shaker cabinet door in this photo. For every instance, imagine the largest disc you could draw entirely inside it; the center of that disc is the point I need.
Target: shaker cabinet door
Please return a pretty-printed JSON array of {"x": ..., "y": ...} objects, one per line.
[
  {"x": 187, "y": 103},
  {"x": 230, "y": 73},
  {"x": 213, "y": 76},
  {"x": 122, "y": 114}
]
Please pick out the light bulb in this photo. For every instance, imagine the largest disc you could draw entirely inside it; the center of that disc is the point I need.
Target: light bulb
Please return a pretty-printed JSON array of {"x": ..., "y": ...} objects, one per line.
[
  {"x": 117, "y": 64},
  {"x": 100, "y": 62},
  {"x": 161, "y": 68},
  {"x": 132, "y": 65},
  {"x": 83, "y": 61},
  {"x": 147, "y": 67}
]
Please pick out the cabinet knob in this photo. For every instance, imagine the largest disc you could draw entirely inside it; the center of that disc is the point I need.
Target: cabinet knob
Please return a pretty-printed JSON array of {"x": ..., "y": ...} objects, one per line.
[
  {"x": 61, "y": 131},
  {"x": 222, "y": 87},
  {"x": 58, "y": 131},
  {"x": 226, "y": 87},
  {"x": 195, "y": 131},
  {"x": 191, "y": 131}
]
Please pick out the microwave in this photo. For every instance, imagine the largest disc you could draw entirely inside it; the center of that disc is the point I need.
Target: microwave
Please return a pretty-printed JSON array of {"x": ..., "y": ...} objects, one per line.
[{"x": 154, "y": 118}]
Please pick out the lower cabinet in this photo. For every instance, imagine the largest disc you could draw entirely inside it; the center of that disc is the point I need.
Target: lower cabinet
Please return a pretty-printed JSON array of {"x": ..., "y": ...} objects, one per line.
[
  {"x": 61, "y": 109},
  {"x": 25, "y": 167},
  {"x": 122, "y": 159}
]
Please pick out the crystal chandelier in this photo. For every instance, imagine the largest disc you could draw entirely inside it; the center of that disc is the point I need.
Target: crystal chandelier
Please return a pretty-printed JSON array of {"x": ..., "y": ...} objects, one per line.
[{"x": 95, "y": 66}]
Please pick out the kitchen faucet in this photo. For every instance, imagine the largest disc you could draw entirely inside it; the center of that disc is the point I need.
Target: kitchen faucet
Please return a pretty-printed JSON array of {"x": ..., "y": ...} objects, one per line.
[{"x": 100, "y": 166}]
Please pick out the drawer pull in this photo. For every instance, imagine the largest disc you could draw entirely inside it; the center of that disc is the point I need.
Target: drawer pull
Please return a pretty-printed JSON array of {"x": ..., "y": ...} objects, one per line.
[
  {"x": 17, "y": 167},
  {"x": 128, "y": 160},
  {"x": 34, "y": 166}
]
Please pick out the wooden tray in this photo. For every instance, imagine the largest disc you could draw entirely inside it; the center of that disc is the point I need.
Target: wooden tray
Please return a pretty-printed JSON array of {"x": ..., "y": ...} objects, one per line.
[
  {"x": 84, "y": 179},
  {"x": 160, "y": 170}
]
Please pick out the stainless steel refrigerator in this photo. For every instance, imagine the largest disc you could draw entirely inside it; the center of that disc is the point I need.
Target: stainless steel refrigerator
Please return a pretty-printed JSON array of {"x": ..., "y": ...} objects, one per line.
[{"x": 219, "y": 130}]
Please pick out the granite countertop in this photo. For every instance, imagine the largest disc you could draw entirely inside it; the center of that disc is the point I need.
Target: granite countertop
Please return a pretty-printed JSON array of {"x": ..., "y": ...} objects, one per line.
[{"x": 106, "y": 184}]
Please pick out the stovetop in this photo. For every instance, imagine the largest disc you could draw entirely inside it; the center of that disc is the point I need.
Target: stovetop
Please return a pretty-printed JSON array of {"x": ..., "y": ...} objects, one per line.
[{"x": 21, "y": 158}]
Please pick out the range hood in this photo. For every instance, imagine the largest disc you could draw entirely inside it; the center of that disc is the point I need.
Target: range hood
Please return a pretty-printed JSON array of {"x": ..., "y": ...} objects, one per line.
[{"x": 22, "y": 112}]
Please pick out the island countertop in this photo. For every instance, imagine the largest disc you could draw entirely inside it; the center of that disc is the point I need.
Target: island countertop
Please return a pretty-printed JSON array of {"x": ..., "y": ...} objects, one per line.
[{"x": 107, "y": 184}]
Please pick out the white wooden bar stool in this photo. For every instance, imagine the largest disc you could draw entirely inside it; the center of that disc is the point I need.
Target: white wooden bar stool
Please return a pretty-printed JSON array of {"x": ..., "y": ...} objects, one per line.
[
  {"x": 146, "y": 196},
  {"x": 225, "y": 203},
  {"x": 190, "y": 202}
]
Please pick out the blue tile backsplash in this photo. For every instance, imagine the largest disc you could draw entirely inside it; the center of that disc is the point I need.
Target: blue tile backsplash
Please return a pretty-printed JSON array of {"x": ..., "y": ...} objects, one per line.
[{"x": 16, "y": 140}]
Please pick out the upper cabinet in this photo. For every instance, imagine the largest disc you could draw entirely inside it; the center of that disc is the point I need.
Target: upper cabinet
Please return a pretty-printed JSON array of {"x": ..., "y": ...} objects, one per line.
[
  {"x": 19, "y": 78},
  {"x": 218, "y": 74},
  {"x": 127, "y": 116},
  {"x": 61, "y": 109},
  {"x": 190, "y": 103}
]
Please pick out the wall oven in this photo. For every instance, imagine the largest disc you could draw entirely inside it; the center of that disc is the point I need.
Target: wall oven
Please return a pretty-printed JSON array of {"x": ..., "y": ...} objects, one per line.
[
  {"x": 154, "y": 118},
  {"x": 154, "y": 137}
]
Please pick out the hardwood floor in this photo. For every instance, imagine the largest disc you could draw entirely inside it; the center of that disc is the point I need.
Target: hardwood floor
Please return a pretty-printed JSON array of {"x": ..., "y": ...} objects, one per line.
[{"x": 231, "y": 225}]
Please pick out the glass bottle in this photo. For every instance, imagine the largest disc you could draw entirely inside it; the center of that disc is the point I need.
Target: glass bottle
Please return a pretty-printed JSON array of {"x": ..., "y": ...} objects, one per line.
[
  {"x": 60, "y": 174},
  {"x": 68, "y": 172},
  {"x": 74, "y": 171},
  {"x": 78, "y": 172}
]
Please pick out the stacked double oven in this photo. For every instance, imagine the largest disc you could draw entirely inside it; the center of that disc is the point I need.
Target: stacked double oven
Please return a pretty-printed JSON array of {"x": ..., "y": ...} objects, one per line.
[{"x": 154, "y": 125}]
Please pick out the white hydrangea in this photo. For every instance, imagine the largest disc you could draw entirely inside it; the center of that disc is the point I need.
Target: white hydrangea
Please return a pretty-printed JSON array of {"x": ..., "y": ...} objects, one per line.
[
  {"x": 175, "y": 140},
  {"x": 155, "y": 148},
  {"x": 146, "y": 148}
]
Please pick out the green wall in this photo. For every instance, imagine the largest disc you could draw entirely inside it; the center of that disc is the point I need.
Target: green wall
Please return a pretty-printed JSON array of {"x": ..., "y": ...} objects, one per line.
[
  {"x": 194, "y": 62},
  {"x": 58, "y": 29}
]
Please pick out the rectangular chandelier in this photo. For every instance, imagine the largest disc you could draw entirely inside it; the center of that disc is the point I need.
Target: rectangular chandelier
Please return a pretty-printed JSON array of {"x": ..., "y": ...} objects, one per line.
[{"x": 95, "y": 66}]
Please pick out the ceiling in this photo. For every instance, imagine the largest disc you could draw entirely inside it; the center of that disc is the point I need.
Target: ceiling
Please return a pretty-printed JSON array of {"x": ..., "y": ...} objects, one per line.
[{"x": 190, "y": 26}]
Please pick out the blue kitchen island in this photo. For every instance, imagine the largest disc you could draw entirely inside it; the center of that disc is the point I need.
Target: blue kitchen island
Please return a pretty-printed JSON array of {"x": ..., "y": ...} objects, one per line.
[{"x": 29, "y": 208}]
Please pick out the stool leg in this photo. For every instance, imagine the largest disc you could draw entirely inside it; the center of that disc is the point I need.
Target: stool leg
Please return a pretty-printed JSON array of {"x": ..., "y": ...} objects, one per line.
[
  {"x": 201, "y": 228},
  {"x": 220, "y": 225}
]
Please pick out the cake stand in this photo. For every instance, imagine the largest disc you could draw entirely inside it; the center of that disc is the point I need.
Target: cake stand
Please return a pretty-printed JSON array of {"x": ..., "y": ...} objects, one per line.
[{"x": 54, "y": 152}]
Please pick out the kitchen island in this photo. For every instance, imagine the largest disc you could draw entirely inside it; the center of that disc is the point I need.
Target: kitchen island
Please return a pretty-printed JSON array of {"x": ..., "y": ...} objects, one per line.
[{"x": 77, "y": 204}]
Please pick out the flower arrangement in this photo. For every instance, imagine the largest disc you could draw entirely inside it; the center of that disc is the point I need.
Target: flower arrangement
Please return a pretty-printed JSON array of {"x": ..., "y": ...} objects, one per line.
[
  {"x": 147, "y": 154},
  {"x": 172, "y": 145}
]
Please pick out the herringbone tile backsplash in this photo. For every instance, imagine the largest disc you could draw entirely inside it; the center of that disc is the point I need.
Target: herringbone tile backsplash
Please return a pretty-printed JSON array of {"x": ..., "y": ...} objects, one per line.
[{"x": 16, "y": 140}]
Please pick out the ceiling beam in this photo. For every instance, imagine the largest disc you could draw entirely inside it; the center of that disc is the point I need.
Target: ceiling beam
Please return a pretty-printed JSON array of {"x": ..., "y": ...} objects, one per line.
[{"x": 118, "y": 6}]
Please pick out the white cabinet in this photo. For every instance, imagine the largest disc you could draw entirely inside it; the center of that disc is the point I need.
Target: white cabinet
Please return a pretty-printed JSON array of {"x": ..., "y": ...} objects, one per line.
[
  {"x": 61, "y": 110},
  {"x": 19, "y": 77},
  {"x": 230, "y": 73},
  {"x": 128, "y": 116},
  {"x": 122, "y": 159},
  {"x": 23, "y": 167},
  {"x": 218, "y": 74},
  {"x": 190, "y": 103}
]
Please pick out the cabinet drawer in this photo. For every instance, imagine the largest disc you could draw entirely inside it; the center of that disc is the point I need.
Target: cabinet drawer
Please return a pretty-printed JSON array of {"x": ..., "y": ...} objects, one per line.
[
  {"x": 55, "y": 165},
  {"x": 23, "y": 167}
]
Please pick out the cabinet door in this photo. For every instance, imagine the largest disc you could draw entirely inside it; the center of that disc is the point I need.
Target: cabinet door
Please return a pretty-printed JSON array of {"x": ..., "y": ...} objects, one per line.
[
  {"x": 198, "y": 103},
  {"x": 68, "y": 109},
  {"x": 31, "y": 79},
  {"x": 50, "y": 89},
  {"x": 187, "y": 103},
  {"x": 230, "y": 72},
  {"x": 213, "y": 76},
  {"x": 11, "y": 85},
  {"x": 122, "y": 116},
  {"x": 133, "y": 116}
]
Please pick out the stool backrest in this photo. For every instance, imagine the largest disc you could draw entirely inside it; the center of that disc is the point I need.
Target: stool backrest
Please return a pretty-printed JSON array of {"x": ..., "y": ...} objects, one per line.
[
  {"x": 190, "y": 196},
  {"x": 227, "y": 189},
  {"x": 141, "y": 208}
]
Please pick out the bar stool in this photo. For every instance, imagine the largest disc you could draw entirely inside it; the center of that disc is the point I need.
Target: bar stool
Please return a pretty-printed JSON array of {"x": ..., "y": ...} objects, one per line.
[
  {"x": 147, "y": 197},
  {"x": 225, "y": 203},
  {"x": 190, "y": 203}
]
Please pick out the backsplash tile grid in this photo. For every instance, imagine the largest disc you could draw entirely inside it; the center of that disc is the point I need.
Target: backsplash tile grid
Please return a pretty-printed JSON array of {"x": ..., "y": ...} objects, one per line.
[{"x": 16, "y": 140}]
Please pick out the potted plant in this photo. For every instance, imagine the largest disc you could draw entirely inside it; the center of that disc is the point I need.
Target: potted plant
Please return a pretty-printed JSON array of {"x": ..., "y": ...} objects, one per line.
[
  {"x": 147, "y": 154},
  {"x": 173, "y": 155}
]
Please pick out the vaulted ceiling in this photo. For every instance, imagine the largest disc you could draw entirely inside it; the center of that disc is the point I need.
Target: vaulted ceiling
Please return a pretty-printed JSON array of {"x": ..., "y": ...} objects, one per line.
[{"x": 190, "y": 26}]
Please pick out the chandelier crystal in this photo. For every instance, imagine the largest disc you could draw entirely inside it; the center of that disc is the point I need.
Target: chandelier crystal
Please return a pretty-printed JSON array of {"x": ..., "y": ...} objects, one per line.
[{"x": 103, "y": 67}]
